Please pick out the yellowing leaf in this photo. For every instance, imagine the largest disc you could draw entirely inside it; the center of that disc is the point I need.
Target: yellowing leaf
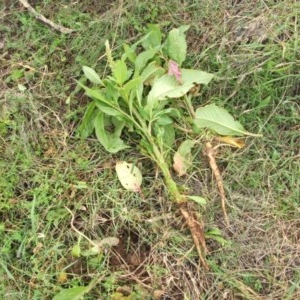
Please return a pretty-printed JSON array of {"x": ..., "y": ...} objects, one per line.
[
  {"x": 129, "y": 175},
  {"x": 179, "y": 164},
  {"x": 182, "y": 158},
  {"x": 235, "y": 142},
  {"x": 109, "y": 242}
]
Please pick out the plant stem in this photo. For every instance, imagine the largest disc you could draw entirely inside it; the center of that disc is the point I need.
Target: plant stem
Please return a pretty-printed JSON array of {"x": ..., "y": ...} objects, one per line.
[
  {"x": 170, "y": 183},
  {"x": 188, "y": 103},
  {"x": 158, "y": 157},
  {"x": 195, "y": 225}
]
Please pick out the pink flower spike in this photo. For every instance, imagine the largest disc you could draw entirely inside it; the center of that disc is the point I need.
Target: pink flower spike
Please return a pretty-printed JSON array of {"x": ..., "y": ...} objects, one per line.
[{"x": 174, "y": 70}]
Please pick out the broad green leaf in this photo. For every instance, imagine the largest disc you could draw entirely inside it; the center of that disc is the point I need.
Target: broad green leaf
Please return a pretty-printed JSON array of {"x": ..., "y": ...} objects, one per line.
[
  {"x": 195, "y": 76},
  {"x": 110, "y": 141},
  {"x": 86, "y": 127},
  {"x": 108, "y": 110},
  {"x": 171, "y": 112},
  {"x": 176, "y": 44},
  {"x": 164, "y": 120},
  {"x": 129, "y": 53},
  {"x": 119, "y": 70},
  {"x": 183, "y": 28},
  {"x": 218, "y": 120},
  {"x": 197, "y": 199},
  {"x": 169, "y": 135},
  {"x": 129, "y": 175},
  {"x": 94, "y": 93},
  {"x": 75, "y": 293},
  {"x": 167, "y": 86},
  {"x": 104, "y": 103},
  {"x": 165, "y": 116},
  {"x": 142, "y": 60},
  {"x": 133, "y": 85},
  {"x": 140, "y": 41},
  {"x": 111, "y": 91},
  {"x": 154, "y": 38},
  {"x": 165, "y": 135},
  {"x": 151, "y": 71},
  {"x": 91, "y": 75},
  {"x": 183, "y": 158}
]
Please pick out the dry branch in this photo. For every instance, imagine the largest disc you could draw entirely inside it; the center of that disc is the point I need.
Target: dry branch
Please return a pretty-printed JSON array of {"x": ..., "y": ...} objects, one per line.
[
  {"x": 214, "y": 167},
  {"x": 40, "y": 17},
  {"x": 197, "y": 232}
]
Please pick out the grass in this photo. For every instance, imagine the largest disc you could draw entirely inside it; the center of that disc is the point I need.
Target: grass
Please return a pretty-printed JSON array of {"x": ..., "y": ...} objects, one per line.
[{"x": 253, "y": 50}]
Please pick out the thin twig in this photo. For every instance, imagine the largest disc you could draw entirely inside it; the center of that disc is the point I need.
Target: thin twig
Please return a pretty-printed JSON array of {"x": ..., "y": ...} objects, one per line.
[
  {"x": 214, "y": 167},
  {"x": 76, "y": 230},
  {"x": 40, "y": 17}
]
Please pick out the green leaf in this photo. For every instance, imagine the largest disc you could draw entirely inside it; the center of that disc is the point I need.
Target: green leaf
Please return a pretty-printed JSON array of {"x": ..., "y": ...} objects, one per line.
[
  {"x": 16, "y": 74},
  {"x": 75, "y": 293},
  {"x": 94, "y": 93},
  {"x": 176, "y": 44},
  {"x": 152, "y": 70},
  {"x": 195, "y": 76},
  {"x": 129, "y": 53},
  {"x": 142, "y": 60},
  {"x": 76, "y": 251},
  {"x": 167, "y": 86},
  {"x": 91, "y": 75},
  {"x": 164, "y": 120},
  {"x": 119, "y": 70},
  {"x": 111, "y": 91},
  {"x": 169, "y": 135},
  {"x": 102, "y": 102},
  {"x": 110, "y": 141},
  {"x": 154, "y": 38},
  {"x": 183, "y": 158},
  {"x": 165, "y": 116},
  {"x": 86, "y": 127},
  {"x": 165, "y": 135},
  {"x": 218, "y": 120},
  {"x": 216, "y": 235},
  {"x": 129, "y": 175},
  {"x": 108, "y": 110},
  {"x": 197, "y": 199},
  {"x": 133, "y": 85}
]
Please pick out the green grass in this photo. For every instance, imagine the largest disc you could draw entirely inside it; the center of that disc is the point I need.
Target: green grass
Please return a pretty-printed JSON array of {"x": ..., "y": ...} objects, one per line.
[{"x": 45, "y": 167}]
